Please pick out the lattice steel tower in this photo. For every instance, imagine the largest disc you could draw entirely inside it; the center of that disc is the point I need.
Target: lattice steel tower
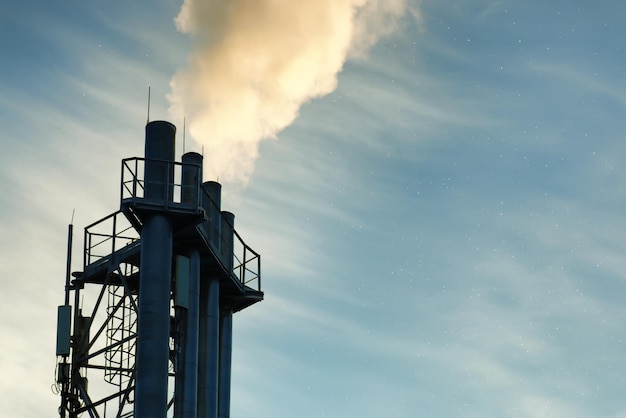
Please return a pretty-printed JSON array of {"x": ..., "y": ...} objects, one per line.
[{"x": 152, "y": 309}]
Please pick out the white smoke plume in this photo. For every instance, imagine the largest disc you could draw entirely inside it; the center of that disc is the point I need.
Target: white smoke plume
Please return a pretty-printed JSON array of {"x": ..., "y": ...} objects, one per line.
[{"x": 255, "y": 62}]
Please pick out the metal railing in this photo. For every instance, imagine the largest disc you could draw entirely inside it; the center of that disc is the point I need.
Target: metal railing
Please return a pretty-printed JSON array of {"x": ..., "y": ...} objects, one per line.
[
  {"x": 247, "y": 264},
  {"x": 106, "y": 236},
  {"x": 177, "y": 192},
  {"x": 167, "y": 191},
  {"x": 235, "y": 254}
]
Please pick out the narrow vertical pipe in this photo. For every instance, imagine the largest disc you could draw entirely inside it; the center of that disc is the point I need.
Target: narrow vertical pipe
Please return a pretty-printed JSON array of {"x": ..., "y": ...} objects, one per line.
[
  {"x": 208, "y": 356},
  {"x": 186, "y": 392},
  {"x": 208, "y": 360},
  {"x": 181, "y": 359},
  {"x": 190, "y": 366},
  {"x": 191, "y": 178},
  {"x": 226, "y": 319},
  {"x": 226, "y": 353},
  {"x": 153, "y": 321},
  {"x": 187, "y": 305}
]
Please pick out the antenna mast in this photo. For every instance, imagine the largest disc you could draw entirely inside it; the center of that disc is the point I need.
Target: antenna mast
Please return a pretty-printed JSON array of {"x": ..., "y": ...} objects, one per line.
[{"x": 68, "y": 267}]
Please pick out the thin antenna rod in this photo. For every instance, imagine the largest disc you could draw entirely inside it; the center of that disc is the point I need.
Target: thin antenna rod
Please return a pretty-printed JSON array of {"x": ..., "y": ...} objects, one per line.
[
  {"x": 184, "y": 130},
  {"x": 148, "y": 121}
]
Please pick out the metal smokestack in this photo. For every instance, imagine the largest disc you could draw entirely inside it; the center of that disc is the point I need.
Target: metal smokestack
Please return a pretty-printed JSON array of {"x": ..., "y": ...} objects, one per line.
[
  {"x": 191, "y": 178},
  {"x": 159, "y": 153},
  {"x": 208, "y": 379},
  {"x": 186, "y": 390},
  {"x": 153, "y": 329}
]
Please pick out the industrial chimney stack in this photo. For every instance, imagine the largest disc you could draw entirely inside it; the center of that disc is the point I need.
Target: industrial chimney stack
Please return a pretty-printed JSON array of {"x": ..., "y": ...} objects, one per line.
[{"x": 153, "y": 306}]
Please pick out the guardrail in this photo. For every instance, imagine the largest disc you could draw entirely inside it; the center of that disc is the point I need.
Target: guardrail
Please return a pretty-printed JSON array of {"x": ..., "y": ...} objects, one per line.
[
  {"x": 177, "y": 192},
  {"x": 235, "y": 254},
  {"x": 106, "y": 236},
  {"x": 247, "y": 264},
  {"x": 167, "y": 190}
]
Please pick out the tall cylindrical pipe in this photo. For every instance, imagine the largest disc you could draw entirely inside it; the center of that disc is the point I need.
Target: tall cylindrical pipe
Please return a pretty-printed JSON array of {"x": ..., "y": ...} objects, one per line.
[
  {"x": 153, "y": 320},
  {"x": 153, "y": 330},
  {"x": 187, "y": 374},
  {"x": 191, "y": 178},
  {"x": 188, "y": 393},
  {"x": 159, "y": 167},
  {"x": 226, "y": 353},
  {"x": 208, "y": 355}
]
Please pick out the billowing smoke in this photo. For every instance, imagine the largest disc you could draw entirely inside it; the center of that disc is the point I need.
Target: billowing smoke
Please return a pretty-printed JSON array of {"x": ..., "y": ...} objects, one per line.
[{"x": 255, "y": 62}]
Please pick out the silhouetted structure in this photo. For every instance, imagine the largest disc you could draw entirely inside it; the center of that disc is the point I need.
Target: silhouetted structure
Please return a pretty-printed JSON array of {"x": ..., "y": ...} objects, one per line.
[{"x": 152, "y": 309}]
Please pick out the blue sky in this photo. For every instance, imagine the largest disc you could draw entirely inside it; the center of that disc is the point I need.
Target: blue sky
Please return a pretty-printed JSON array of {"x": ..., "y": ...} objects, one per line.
[{"x": 441, "y": 235}]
